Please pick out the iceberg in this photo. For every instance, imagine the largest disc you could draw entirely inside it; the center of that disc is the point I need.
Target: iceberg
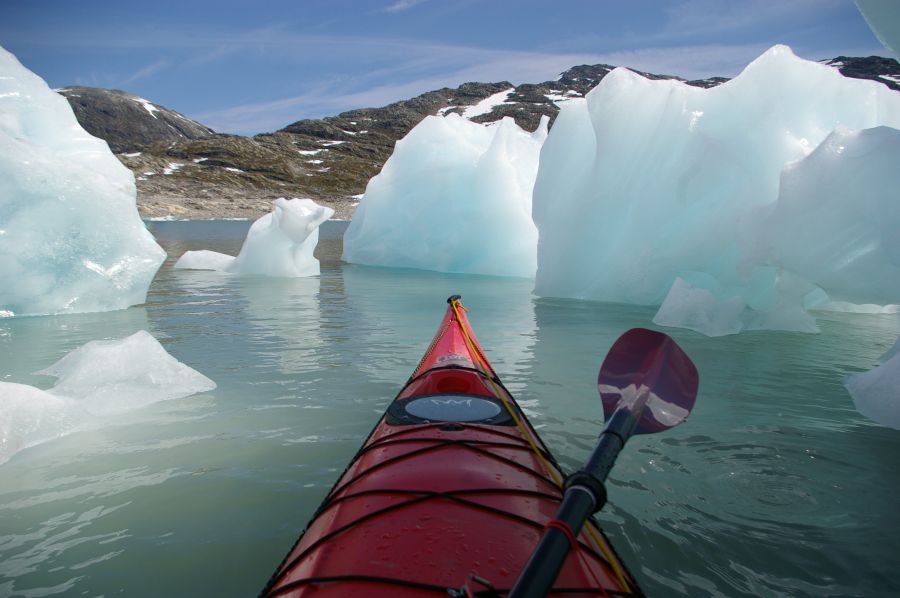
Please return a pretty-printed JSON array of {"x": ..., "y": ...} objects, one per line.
[
  {"x": 455, "y": 196},
  {"x": 837, "y": 216},
  {"x": 281, "y": 243},
  {"x": 883, "y": 18},
  {"x": 755, "y": 194},
  {"x": 71, "y": 239},
  {"x": 98, "y": 379},
  {"x": 876, "y": 393}
]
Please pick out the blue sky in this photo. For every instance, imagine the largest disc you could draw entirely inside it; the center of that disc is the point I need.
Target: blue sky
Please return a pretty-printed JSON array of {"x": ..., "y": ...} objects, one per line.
[{"x": 250, "y": 67}]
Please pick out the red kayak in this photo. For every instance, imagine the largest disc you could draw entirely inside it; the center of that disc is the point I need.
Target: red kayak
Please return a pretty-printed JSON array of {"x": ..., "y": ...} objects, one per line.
[{"x": 449, "y": 495}]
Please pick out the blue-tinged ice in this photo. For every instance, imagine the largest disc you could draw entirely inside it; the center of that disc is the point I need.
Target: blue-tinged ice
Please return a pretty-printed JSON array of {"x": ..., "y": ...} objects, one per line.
[
  {"x": 836, "y": 221},
  {"x": 99, "y": 379},
  {"x": 281, "y": 243},
  {"x": 876, "y": 393},
  {"x": 71, "y": 239},
  {"x": 455, "y": 196},
  {"x": 647, "y": 182},
  {"x": 883, "y": 17}
]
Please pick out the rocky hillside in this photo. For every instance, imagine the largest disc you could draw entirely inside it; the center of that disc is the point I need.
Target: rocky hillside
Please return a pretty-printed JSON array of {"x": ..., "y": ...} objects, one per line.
[
  {"x": 127, "y": 122},
  {"x": 185, "y": 170},
  {"x": 875, "y": 68}
]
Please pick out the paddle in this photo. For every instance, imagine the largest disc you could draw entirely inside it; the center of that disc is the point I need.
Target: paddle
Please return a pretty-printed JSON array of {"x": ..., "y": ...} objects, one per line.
[{"x": 647, "y": 384}]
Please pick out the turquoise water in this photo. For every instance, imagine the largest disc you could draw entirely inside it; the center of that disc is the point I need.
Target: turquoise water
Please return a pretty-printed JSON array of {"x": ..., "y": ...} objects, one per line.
[{"x": 775, "y": 486}]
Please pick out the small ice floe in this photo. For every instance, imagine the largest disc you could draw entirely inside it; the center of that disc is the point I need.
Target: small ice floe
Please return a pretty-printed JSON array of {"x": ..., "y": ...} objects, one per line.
[
  {"x": 98, "y": 379},
  {"x": 280, "y": 243}
]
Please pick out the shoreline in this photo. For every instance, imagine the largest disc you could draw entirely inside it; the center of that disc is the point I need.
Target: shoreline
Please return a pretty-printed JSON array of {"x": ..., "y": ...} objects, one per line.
[{"x": 163, "y": 208}]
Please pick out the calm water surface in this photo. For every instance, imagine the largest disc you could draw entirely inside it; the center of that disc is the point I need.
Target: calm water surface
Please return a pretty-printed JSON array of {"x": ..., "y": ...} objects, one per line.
[{"x": 775, "y": 486}]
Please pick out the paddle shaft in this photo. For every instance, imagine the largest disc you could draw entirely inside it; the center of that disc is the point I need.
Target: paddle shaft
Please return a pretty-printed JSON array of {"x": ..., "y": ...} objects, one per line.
[{"x": 579, "y": 501}]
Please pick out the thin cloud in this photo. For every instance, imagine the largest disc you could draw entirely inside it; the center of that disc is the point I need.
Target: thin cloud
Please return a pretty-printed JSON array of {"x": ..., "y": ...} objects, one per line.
[
  {"x": 401, "y": 5},
  {"x": 147, "y": 71},
  {"x": 692, "y": 17}
]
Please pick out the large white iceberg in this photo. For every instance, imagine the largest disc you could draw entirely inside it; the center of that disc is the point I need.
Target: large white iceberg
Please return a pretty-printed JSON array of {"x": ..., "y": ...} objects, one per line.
[
  {"x": 281, "y": 243},
  {"x": 98, "y": 379},
  {"x": 647, "y": 182},
  {"x": 71, "y": 239},
  {"x": 836, "y": 221},
  {"x": 455, "y": 196}
]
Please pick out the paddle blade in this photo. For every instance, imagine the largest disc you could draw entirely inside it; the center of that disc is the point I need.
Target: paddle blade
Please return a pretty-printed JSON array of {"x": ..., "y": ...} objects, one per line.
[{"x": 644, "y": 361}]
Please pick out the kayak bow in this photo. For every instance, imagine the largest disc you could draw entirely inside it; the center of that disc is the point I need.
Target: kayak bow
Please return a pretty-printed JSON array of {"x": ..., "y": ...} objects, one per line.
[{"x": 449, "y": 494}]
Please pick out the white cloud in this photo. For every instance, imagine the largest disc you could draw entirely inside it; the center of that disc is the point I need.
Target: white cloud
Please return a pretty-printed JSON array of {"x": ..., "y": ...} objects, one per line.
[
  {"x": 401, "y": 5},
  {"x": 692, "y": 17},
  {"x": 147, "y": 71}
]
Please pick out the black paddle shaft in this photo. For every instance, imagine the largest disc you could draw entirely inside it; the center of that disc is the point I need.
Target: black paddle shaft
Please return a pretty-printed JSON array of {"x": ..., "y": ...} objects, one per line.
[
  {"x": 647, "y": 384},
  {"x": 585, "y": 494}
]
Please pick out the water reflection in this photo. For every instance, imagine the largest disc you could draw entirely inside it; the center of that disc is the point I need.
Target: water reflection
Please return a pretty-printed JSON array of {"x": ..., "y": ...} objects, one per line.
[
  {"x": 773, "y": 481},
  {"x": 774, "y": 486},
  {"x": 397, "y": 312}
]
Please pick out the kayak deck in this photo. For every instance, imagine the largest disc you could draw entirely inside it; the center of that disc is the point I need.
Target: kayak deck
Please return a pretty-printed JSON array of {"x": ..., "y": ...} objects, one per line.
[{"x": 449, "y": 494}]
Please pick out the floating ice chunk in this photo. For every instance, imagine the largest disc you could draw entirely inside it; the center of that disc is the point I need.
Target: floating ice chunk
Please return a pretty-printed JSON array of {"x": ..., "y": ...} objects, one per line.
[
  {"x": 30, "y": 416},
  {"x": 857, "y": 308},
  {"x": 72, "y": 238},
  {"x": 646, "y": 181},
  {"x": 114, "y": 376},
  {"x": 280, "y": 243},
  {"x": 204, "y": 259},
  {"x": 97, "y": 379},
  {"x": 876, "y": 393},
  {"x": 455, "y": 196}
]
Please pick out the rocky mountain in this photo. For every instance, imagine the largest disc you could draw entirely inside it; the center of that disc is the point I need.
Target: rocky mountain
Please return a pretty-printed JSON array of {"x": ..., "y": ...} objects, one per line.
[
  {"x": 127, "y": 122},
  {"x": 185, "y": 170},
  {"x": 875, "y": 68}
]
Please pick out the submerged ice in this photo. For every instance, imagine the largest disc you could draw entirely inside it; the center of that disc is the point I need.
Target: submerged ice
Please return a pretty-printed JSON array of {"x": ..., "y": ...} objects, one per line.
[
  {"x": 730, "y": 206},
  {"x": 100, "y": 378},
  {"x": 455, "y": 196},
  {"x": 71, "y": 239},
  {"x": 281, "y": 243}
]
